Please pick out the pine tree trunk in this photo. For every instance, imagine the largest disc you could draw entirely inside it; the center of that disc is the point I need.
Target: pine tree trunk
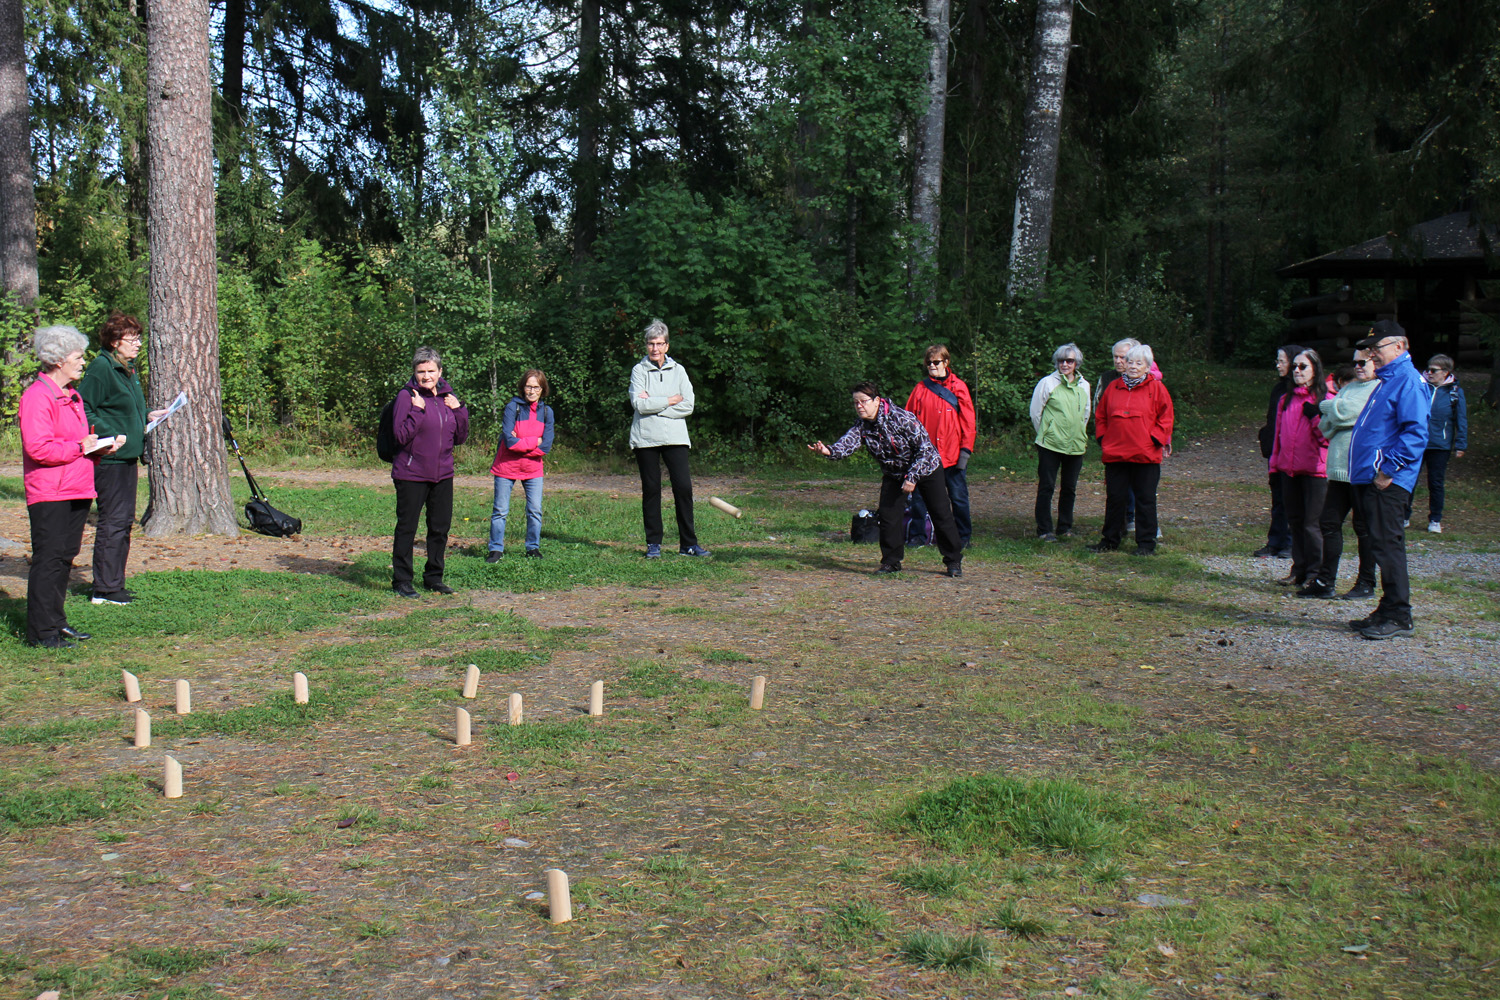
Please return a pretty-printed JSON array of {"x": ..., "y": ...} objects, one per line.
[
  {"x": 927, "y": 187},
  {"x": 1031, "y": 232},
  {"x": 586, "y": 172},
  {"x": 189, "y": 472},
  {"x": 17, "y": 194}
]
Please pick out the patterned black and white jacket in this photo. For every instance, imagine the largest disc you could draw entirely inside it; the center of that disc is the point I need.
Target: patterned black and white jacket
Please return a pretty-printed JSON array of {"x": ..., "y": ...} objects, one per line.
[{"x": 896, "y": 439}]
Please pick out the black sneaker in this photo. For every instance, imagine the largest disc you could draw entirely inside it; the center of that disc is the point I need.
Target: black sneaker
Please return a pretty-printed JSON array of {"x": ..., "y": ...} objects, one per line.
[
  {"x": 1143, "y": 552},
  {"x": 438, "y": 588},
  {"x": 888, "y": 568},
  {"x": 1317, "y": 589},
  {"x": 1099, "y": 547},
  {"x": 533, "y": 553},
  {"x": 693, "y": 550},
  {"x": 1359, "y": 592},
  {"x": 1265, "y": 552},
  {"x": 1388, "y": 630},
  {"x": 404, "y": 590},
  {"x": 955, "y": 571},
  {"x": 69, "y": 632},
  {"x": 1046, "y": 536},
  {"x": 494, "y": 556},
  {"x": 113, "y": 597},
  {"x": 51, "y": 642},
  {"x": 1360, "y": 624},
  {"x": 1284, "y": 554}
]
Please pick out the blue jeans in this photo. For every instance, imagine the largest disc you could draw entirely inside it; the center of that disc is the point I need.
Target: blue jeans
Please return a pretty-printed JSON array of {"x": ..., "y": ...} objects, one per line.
[{"x": 503, "y": 487}]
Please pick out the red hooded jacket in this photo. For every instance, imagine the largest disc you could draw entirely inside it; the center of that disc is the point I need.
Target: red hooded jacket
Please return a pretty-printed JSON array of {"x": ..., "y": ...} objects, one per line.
[
  {"x": 1133, "y": 424},
  {"x": 950, "y": 429}
]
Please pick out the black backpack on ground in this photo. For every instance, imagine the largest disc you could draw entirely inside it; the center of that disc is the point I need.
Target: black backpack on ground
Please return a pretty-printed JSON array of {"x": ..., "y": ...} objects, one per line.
[
  {"x": 385, "y": 433},
  {"x": 262, "y": 517}
]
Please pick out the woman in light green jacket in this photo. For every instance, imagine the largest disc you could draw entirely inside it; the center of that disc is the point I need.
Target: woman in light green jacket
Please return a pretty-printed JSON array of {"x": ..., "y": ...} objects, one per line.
[
  {"x": 1337, "y": 423},
  {"x": 1060, "y": 407}
]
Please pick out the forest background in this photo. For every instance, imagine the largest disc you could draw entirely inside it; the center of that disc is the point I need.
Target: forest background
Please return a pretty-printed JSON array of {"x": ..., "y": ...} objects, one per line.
[{"x": 529, "y": 182}]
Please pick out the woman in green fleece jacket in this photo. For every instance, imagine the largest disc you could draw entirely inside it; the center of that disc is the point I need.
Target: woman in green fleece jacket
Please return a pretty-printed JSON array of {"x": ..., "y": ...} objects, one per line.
[
  {"x": 112, "y": 398},
  {"x": 1060, "y": 413}
]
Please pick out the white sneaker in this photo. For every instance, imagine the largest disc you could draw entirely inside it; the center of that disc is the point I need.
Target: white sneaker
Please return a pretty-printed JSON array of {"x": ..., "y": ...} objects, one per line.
[
  {"x": 1435, "y": 527},
  {"x": 1406, "y": 523}
]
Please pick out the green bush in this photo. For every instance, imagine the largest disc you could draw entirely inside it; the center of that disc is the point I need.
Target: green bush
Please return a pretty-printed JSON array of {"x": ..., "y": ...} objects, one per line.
[{"x": 998, "y": 813}]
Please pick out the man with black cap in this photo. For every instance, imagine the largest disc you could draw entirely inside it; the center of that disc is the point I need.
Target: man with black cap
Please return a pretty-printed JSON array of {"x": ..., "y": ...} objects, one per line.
[{"x": 1385, "y": 453}]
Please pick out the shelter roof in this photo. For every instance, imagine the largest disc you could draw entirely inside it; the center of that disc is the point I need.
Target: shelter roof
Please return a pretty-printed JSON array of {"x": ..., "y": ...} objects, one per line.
[{"x": 1455, "y": 242}]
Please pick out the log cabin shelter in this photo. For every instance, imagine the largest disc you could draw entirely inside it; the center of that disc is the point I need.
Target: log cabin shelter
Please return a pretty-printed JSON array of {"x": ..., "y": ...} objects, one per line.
[{"x": 1439, "y": 280}]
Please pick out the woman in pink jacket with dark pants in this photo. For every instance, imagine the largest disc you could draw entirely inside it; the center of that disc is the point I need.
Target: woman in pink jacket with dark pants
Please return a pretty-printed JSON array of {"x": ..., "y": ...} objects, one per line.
[
  {"x": 58, "y": 455},
  {"x": 1301, "y": 457}
]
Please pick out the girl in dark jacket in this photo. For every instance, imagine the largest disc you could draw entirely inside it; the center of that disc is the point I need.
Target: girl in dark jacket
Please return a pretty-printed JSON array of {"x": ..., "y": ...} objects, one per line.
[
  {"x": 429, "y": 422},
  {"x": 1447, "y": 435},
  {"x": 1279, "y": 537}
]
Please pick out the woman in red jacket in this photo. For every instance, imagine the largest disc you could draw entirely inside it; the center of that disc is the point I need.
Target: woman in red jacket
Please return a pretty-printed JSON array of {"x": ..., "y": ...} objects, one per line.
[
  {"x": 945, "y": 408},
  {"x": 1133, "y": 423},
  {"x": 1300, "y": 457},
  {"x": 58, "y": 455}
]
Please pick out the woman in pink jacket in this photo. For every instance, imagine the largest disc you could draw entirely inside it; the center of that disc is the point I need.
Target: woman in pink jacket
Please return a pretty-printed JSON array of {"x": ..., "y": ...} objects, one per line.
[
  {"x": 58, "y": 455},
  {"x": 1300, "y": 455},
  {"x": 526, "y": 432}
]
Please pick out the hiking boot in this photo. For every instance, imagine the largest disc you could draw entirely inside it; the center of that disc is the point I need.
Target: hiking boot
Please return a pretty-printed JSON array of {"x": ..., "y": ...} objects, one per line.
[
  {"x": 1265, "y": 552},
  {"x": 693, "y": 550},
  {"x": 955, "y": 571},
  {"x": 404, "y": 590},
  {"x": 888, "y": 568},
  {"x": 1290, "y": 580},
  {"x": 1100, "y": 547},
  {"x": 438, "y": 588},
  {"x": 653, "y": 550},
  {"x": 1284, "y": 554},
  {"x": 1388, "y": 630},
  {"x": 1360, "y": 624},
  {"x": 1317, "y": 589},
  {"x": 1359, "y": 592},
  {"x": 494, "y": 555}
]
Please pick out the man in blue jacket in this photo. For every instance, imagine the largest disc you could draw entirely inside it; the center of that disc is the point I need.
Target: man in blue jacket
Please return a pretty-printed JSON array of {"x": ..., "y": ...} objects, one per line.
[{"x": 1385, "y": 452}]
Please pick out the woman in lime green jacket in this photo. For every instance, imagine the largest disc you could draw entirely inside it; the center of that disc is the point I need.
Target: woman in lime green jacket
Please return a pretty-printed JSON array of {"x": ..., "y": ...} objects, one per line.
[{"x": 1060, "y": 413}]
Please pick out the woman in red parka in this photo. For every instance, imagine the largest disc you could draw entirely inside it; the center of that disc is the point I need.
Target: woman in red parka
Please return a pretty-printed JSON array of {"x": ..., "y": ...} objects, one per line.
[
  {"x": 945, "y": 408},
  {"x": 1133, "y": 423},
  {"x": 1300, "y": 456}
]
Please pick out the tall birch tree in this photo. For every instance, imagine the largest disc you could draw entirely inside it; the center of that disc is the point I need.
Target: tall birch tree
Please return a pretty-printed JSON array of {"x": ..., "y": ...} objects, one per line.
[
  {"x": 189, "y": 470},
  {"x": 17, "y": 194},
  {"x": 927, "y": 185},
  {"x": 1031, "y": 230}
]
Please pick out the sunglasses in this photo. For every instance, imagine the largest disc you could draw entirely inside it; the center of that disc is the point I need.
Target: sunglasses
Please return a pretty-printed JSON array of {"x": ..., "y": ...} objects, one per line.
[
  {"x": 936, "y": 364},
  {"x": 1437, "y": 371},
  {"x": 1303, "y": 367}
]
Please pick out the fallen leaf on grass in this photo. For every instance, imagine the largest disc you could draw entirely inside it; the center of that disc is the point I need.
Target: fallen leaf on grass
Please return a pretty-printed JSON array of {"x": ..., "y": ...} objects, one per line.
[
  {"x": 512, "y": 776},
  {"x": 1167, "y": 951},
  {"x": 1356, "y": 949},
  {"x": 346, "y": 822},
  {"x": 1145, "y": 667}
]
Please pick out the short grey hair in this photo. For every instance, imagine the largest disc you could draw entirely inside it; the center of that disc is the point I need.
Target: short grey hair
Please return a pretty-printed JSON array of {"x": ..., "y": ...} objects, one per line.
[
  {"x": 425, "y": 354},
  {"x": 1069, "y": 350},
  {"x": 1140, "y": 352},
  {"x": 656, "y": 329},
  {"x": 54, "y": 343},
  {"x": 1127, "y": 343}
]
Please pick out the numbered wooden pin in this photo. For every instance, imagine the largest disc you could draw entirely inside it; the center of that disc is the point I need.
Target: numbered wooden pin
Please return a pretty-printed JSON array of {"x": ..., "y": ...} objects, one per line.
[
  {"x": 559, "y": 900},
  {"x": 299, "y": 688},
  {"x": 142, "y": 728},
  {"x": 184, "y": 698},
  {"x": 463, "y": 729},
  {"x": 132, "y": 686},
  {"x": 172, "y": 778},
  {"x": 471, "y": 682},
  {"x": 758, "y": 692},
  {"x": 515, "y": 709},
  {"x": 596, "y": 699}
]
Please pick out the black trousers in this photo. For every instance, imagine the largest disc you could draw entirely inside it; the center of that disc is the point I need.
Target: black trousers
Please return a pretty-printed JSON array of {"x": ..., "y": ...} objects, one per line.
[
  {"x": 115, "y": 483},
  {"x": 1303, "y": 498},
  {"x": 1123, "y": 480},
  {"x": 1384, "y": 511},
  {"x": 957, "y": 481},
  {"x": 411, "y": 497},
  {"x": 1048, "y": 464},
  {"x": 650, "y": 461},
  {"x": 1279, "y": 536},
  {"x": 56, "y": 536},
  {"x": 1338, "y": 503},
  {"x": 892, "y": 515}
]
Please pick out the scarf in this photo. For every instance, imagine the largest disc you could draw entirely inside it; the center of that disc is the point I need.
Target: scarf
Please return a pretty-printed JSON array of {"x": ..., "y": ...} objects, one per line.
[{"x": 1134, "y": 383}]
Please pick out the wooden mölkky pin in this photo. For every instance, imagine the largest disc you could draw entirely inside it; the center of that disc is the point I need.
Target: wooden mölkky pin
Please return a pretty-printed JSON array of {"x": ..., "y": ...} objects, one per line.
[
  {"x": 172, "y": 778},
  {"x": 515, "y": 709},
  {"x": 596, "y": 699},
  {"x": 299, "y": 688},
  {"x": 184, "y": 698},
  {"x": 142, "y": 728},
  {"x": 758, "y": 692},
  {"x": 727, "y": 507},
  {"x": 559, "y": 900},
  {"x": 463, "y": 729},
  {"x": 132, "y": 686},
  {"x": 471, "y": 682}
]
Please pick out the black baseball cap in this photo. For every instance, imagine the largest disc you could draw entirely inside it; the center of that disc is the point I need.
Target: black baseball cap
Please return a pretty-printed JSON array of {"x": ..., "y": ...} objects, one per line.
[{"x": 1380, "y": 331}]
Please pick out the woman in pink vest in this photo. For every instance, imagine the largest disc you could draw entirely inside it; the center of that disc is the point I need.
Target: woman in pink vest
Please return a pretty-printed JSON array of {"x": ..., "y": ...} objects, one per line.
[
  {"x": 58, "y": 455},
  {"x": 525, "y": 438},
  {"x": 1300, "y": 455}
]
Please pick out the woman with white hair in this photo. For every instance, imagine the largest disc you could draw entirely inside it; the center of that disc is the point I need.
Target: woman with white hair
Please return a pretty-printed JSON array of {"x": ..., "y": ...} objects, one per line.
[
  {"x": 1133, "y": 424},
  {"x": 58, "y": 455},
  {"x": 1060, "y": 409}
]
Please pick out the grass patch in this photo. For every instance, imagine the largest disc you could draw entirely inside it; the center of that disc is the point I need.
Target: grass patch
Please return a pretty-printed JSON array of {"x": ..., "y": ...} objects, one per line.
[
  {"x": 529, "y": 736},
  {"x": 667, "y": 864},
  {"x": 173, "y": 961},
  {"x": 937, "y": 950},
  {"x": 60, "y": 806},
  {"x": 650, "y": 679},
  {"x": 856, "y": 922},
  {"x": 376, "y": 930},
  {"x": 1009, "y": 917},
  {"x": 935, "y": 880},
  {"x": 998, "y": 813}
]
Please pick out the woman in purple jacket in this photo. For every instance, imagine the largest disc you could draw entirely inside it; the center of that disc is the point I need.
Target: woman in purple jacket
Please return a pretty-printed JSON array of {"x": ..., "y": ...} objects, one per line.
[
  {"x": 1300, "y": 457},
  {"x": 428, "y": 421}
]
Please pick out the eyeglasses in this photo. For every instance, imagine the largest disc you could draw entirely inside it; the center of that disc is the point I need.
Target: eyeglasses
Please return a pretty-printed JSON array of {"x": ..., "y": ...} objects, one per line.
[
  {"x": 1382, "y": 345},
  {"x": 1303, "y": 367},
  {"x": 936, "y": 364},
  {"x": 133, "y": 338},
  {"x": 1067, "y": 361}
]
